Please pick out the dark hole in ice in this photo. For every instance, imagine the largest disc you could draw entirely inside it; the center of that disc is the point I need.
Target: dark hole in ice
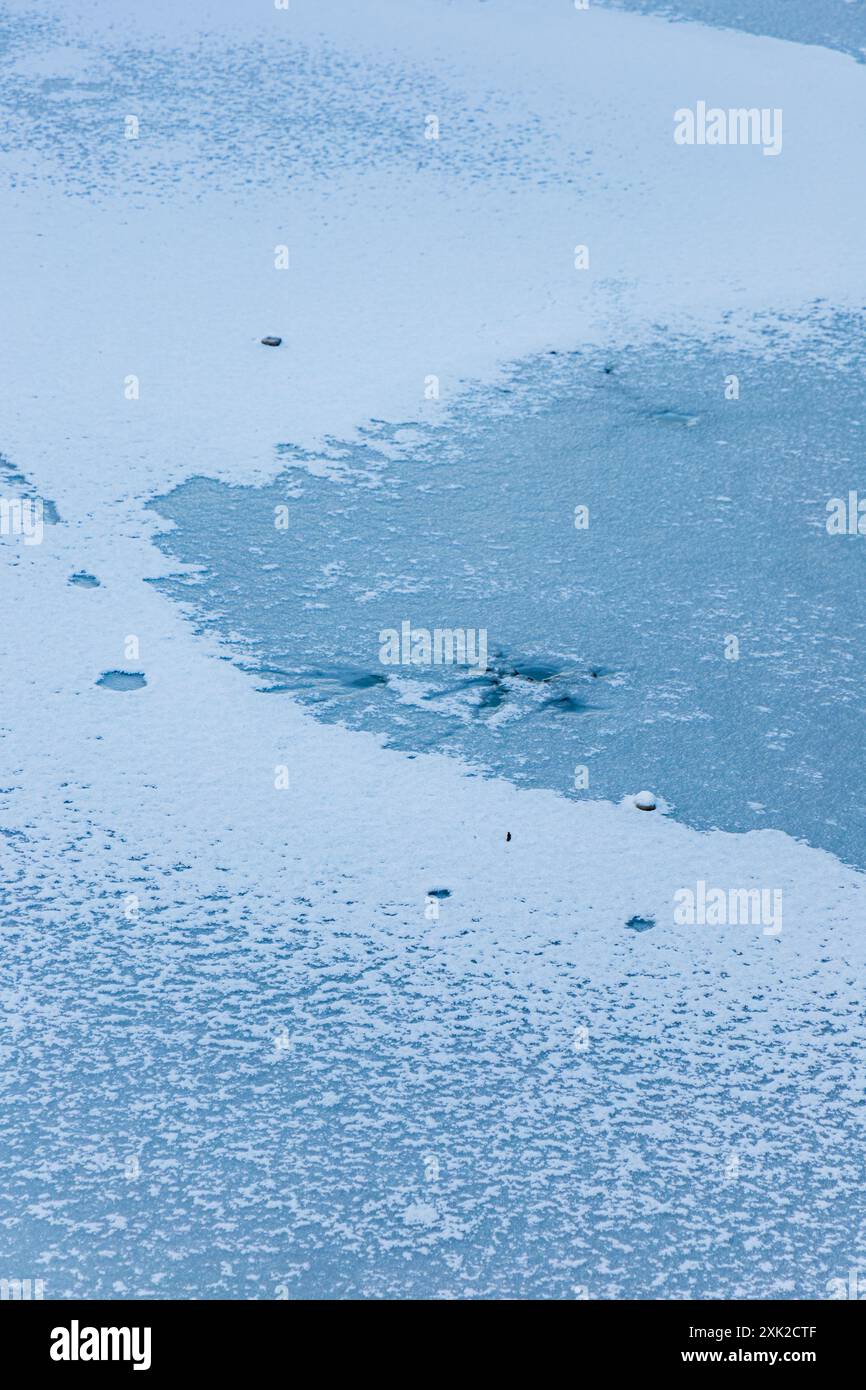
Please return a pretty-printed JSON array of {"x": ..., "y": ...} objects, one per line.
[
  {"x": 491, "y": 697},
  {"x": 367, "y": 680},
  {"x": 537, "y": 672},
  {"x": 566, "y": 704},
  {"x": 528, "y": 668},
  {"x": 439, "y": 893},
  {"x": 121, "y": 680},
  {"x": 84, "y": 580},
  {"x": 674, "y": 417},
  {"x": 640, "y": 923},
  {"x": 324, "y": 682}
]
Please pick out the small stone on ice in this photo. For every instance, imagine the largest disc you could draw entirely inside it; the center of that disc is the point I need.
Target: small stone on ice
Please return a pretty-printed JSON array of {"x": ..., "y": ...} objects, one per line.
[
  {"x": 272, "y": 342},
  {"x": 645, "y": 801}
]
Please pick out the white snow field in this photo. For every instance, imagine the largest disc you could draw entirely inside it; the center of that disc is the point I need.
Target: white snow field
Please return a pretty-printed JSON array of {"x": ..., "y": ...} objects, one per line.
[{"x": 241, "y": 1058}]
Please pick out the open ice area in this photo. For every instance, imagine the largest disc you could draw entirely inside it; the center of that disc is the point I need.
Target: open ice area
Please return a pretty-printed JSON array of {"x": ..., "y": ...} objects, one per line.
[
  {"x": 836, "y": 23},
  {"x": 321, "y": 980},
  {"x": 610, "y": 650}
]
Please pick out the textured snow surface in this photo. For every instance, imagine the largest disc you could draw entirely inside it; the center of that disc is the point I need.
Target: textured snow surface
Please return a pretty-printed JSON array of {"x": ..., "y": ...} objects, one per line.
[{"x": 242, "y": 1056}]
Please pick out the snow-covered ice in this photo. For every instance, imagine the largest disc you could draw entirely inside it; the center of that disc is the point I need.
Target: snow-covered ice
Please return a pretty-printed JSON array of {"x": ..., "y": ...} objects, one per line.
[{"x": 286, "y": 1013}]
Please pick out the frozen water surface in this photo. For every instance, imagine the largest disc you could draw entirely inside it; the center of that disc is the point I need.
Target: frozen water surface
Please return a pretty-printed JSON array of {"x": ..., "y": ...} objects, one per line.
[
  {"x": 609, "y": 647},
  {"x": 837, "y": 23},
  {"x": 345, "y": 1038},
  {"x": 206, "y": 1107}
]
